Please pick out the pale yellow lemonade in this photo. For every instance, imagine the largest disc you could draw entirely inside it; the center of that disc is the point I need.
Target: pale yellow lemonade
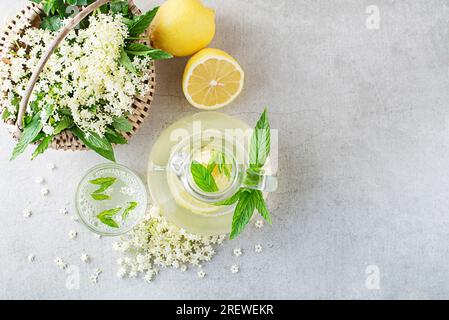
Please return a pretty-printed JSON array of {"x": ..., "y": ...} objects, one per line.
[{"x": 200, "y": 138}]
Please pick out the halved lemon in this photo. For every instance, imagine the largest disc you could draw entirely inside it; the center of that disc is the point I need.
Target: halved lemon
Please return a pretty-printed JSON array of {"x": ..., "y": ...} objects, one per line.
[{"x": 212, "y": 79}]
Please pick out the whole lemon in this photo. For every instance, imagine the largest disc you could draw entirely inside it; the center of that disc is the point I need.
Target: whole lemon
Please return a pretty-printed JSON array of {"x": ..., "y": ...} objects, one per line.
[{"x": 183, "y": 27}]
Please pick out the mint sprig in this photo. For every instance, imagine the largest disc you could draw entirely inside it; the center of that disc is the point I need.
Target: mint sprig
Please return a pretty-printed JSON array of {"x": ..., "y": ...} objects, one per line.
[{"x": 248, "y": 200}]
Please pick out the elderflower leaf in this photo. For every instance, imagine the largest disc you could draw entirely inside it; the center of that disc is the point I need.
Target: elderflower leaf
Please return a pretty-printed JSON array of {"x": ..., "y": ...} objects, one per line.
[
  {"x": 30, "y": 132},
  {"x": 141, "y": 23},
  {"x": 43, "y": 145}
]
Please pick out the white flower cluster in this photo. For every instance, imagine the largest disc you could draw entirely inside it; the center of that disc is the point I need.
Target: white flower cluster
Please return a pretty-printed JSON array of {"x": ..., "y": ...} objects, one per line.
[
  {"x": 83, "y": 76},
  {"x": 156, "y": 243}
]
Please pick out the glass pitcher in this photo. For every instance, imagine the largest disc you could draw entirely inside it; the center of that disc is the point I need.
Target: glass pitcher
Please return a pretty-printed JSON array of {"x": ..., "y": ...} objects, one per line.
[{"x": 218, "y": 143}]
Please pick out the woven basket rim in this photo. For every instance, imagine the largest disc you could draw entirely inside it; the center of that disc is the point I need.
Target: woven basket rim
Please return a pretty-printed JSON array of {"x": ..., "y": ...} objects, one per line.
[{"x": 66, "y": 140}]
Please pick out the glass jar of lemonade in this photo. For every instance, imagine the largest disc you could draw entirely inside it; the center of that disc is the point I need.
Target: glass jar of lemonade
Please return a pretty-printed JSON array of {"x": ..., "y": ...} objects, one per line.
[{"x": 197, "y": 162}]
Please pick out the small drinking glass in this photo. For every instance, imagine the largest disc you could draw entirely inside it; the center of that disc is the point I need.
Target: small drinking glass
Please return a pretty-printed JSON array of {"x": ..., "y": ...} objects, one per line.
[{"x": 127, "y": 191}]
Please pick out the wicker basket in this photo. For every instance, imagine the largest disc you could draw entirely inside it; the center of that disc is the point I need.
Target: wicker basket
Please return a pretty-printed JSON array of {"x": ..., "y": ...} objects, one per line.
[{"x": 66, "y": 140}]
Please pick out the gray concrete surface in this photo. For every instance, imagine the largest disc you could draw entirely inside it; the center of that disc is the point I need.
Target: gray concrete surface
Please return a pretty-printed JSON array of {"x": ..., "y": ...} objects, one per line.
[{"x": 362, "y": 115}]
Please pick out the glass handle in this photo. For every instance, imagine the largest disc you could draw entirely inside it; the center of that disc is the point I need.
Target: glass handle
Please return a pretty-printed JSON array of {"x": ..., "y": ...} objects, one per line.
[{"x": 264, "y": 183}]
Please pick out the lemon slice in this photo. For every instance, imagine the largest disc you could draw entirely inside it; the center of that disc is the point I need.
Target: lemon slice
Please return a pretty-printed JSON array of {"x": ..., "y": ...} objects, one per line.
[{"x": 212, "y": 79}]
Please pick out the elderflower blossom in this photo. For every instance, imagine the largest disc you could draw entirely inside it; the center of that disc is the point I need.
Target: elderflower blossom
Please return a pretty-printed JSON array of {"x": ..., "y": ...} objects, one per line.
[
  {"x": 83, "y": 76},
  {"x": 156, "y": 243}
]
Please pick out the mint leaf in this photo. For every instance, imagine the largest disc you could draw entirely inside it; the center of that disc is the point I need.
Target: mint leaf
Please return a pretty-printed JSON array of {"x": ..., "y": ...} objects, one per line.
[
  {"x": 45, "y": 143},
  {"x": 104, "y": 184},
  {"x": 100, "y": 196},
  {"x": 106, "y": 217},
  {"x": 202, "y": 177},
  {"x": 260, "y": 143},
  {"x": 102, "y": 181},
  {"x": 262, "y": 207},
  {"x": 30, "y": 132},
  {"x": 122, "y": 124},
  {"x": 132, "y": 205},
  {"x": 232, "y": 199},
  {"x": 141, "y": 23},
  {"x": 100, "y": 145},
  {"x": 126, "y": 62},
  {"x": 243, "y": 213}
]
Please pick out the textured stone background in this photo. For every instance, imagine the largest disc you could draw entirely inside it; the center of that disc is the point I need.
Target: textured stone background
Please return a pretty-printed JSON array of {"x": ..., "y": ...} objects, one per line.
[{"x": 363, "y": 152}]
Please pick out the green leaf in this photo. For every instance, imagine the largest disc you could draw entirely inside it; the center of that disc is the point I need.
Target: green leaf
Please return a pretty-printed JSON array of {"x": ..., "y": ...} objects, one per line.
[
  {"x": 260, "y": 143},
  {"x": 232, "y": 199},
  {"x": 115, "y": 137},
  {"x": 29, "y": 133},
  {"x": 102, "y": 181},
  {"x": 122, "y": 124},
  {"x": 6, "y": 114},
  {"x": 65, "y": 123},
  {"x": 202, "y": 177},
  {"x": 49, "y": 6},
  {"x": 53, "y": 23},
  {"x": 261, "y": 206},
  {"x": 104, "y": 184},
  {"x": 107, "y": 215},
  {"x": 40, "y": 136},
  {"x": 140, "y": 49},
  {"x": 100, "y": 145},
  {"x": 243, "y": 213},
  {"x": 45, "y": 143},
  {"x": 126, "y": 62},
  {"x": 141, "y": 23},
  {"x": 100, "y": 196},
  {"x": 119, "y": 7},
  {"x": 132, "y": 205}
]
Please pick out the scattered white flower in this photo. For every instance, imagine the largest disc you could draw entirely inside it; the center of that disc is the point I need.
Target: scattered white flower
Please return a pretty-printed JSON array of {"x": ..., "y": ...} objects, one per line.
[
  {"x": 148, "y": 276},
  {"x": 98, "y": 271},
  {"x": 98, "y": 236},
  {"x": 237, "y": 252},
  {"x": 156, "y": 243},
  {"x": 259, "y": 224},
  {"x": 51, "y": 165},
  {"x": 27, "y": 212},
  {"x": 201, "y": 274},
  {"x": 234, "y": 268},
  {"x": 31, "y": 258},
  {"x": 93, "y": 279},
  {"x": 85, "y": 257},
  {"x": 63, "y": 211},
  {"x": 39, "y": 180},
  {"x": 60, "y": 263},
  {"x": 121, "y": 273},
  {"x": 258, "y": 248},
  {"x": 74, "y": 218},
  {"x": 44, "y": 191},
  {"x": 48, "y": 130},
  {"x": 73, "y": 234}
]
